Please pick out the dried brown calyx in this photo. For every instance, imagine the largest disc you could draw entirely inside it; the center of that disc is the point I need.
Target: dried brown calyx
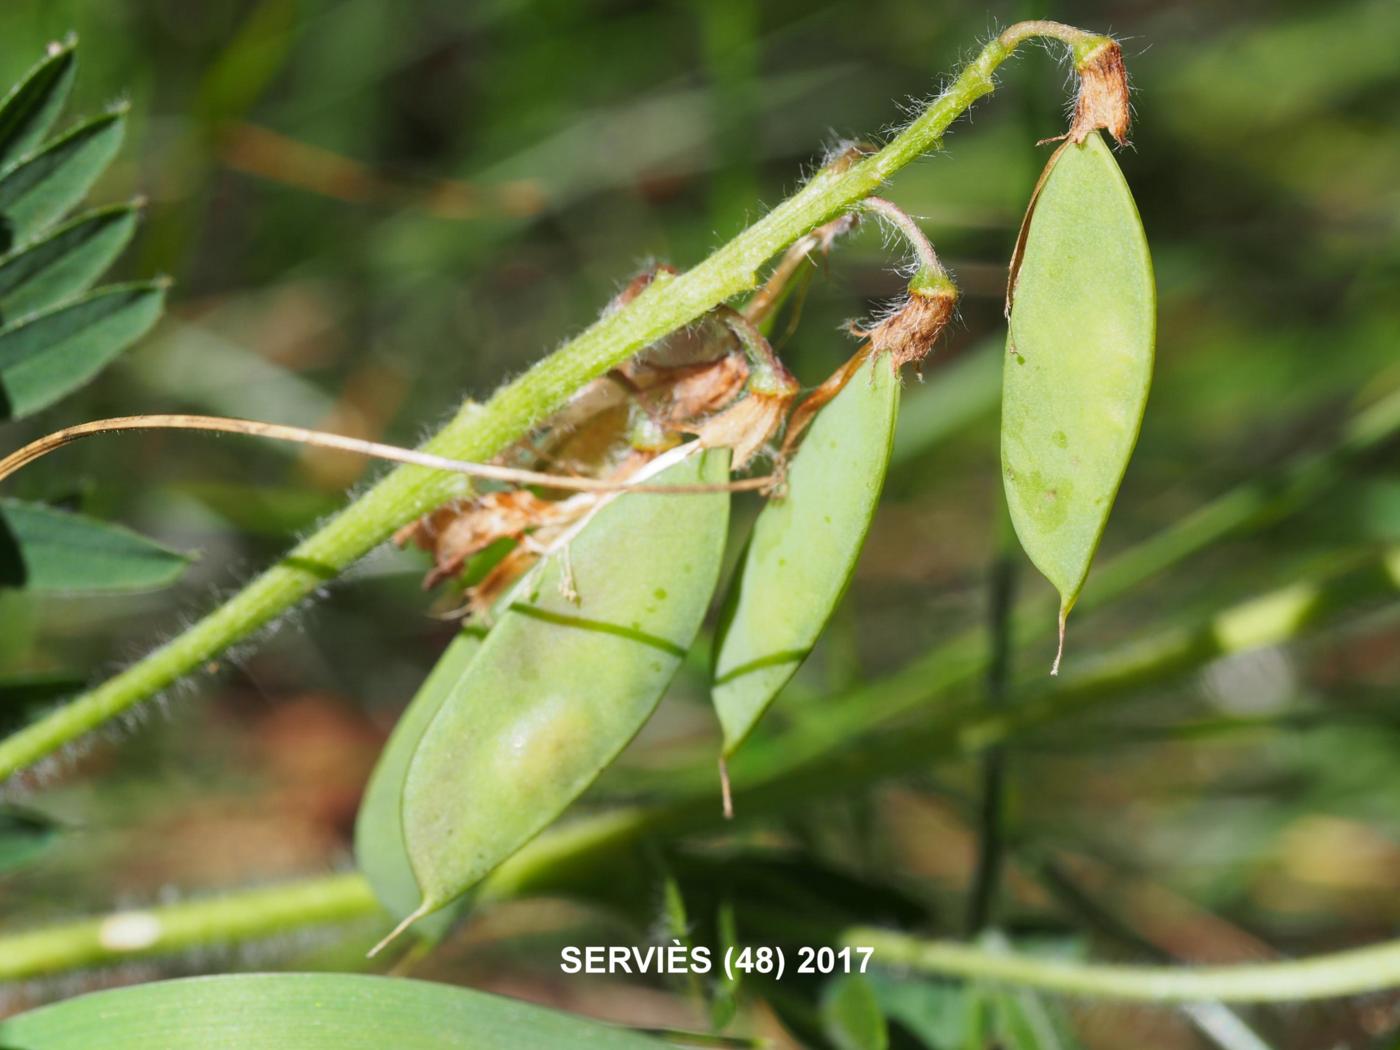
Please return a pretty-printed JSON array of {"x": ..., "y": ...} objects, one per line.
[
  {"x": 909, "y": 333},
  {"x": 746, "y": 426},
  {"x": 750, "y": 423},
  {"x": 456, "y": 531},
  {"x": 1102, "y": 101}
]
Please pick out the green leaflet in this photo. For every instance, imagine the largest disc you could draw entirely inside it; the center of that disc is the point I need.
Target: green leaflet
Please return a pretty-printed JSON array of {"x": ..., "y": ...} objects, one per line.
[
  {"x": 559, "y": 688},
  {"x": 379, "y": 844},
  {"x": 39, "y": 190},
  {"x": 42, "y": 549},
  {"x": 803, "y": 549},
  {"x": 24, "y": 835},
  {"x": 65, "y": 262},
  {"x": 305, "y": 1011},
  {"x": 1078, "y": 363},
  {"x": 1028, "y": 1021},
  {"x": 48, "y": 355},
  {"x": 851, "y": 1016},
  {"x": 32, "y": 105}
]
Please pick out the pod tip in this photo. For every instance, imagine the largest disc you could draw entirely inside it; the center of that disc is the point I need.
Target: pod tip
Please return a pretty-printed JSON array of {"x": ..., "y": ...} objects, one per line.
[
  {"x": 725, "y": 793},
  {"x": 1060, "y": 648},
  {"x": 408, "y": 921}
]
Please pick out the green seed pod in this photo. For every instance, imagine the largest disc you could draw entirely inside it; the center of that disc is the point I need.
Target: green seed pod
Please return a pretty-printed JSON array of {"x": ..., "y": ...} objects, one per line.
[
  {"x": 570, "y": 672},
  {"x": 804, "y": 547},
  {"x": 379, "y": 845},
  {"x": 1079, "y": 361}
]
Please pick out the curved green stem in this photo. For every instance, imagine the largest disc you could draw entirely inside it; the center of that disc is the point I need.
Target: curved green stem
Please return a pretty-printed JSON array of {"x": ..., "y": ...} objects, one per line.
[
  {"x": 172, "y": 928},
  {"x": 1352, "y": 972},
  {"x": 480, "y": 432},
  {"x": 238, "y": 917}
]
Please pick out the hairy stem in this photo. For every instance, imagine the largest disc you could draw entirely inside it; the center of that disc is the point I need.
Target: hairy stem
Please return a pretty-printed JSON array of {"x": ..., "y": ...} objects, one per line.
[{"x": 478, "y": 433}]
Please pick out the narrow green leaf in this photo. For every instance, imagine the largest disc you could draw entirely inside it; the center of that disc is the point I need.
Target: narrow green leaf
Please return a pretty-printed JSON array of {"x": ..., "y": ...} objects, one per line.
[
  {"x": 935, "y": 1013},
  {"x": 48, "y": 355},
  {"x": 1078, "y": 363},
  {"x": 40, "y": 190},
  {"x": 22, "y": 695},
  {"x": 804, "y": 549},
  {"x": 24, "y": 835},
  {"x": 1027, "y": 1021},
  {"x": 43, "y": 549},
  {"x": 305, "y": 1011},
  {"x": 727, "y": 986},
  {"x": 379, "y": 844},
  {"x": 64, "y": 263},
  {"x": 32, "y": 105},
  {"x": 851, "y": 1015},
  {"x": 559, "y": 687}
]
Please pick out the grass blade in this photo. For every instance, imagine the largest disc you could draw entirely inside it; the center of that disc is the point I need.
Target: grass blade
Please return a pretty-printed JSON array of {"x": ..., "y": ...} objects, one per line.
[{"x": 24, "y": 835}]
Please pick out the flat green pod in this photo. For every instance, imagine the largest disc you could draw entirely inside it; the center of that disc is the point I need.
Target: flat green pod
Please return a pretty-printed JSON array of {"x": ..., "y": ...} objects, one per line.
[
  {"x": 564, "y": 680},
  {"x": 804, "y": 548},
  {"x": 1078, "y": 363},
  {"x": 379, "y": 845},
  {"x": 305, "y": 1011}
]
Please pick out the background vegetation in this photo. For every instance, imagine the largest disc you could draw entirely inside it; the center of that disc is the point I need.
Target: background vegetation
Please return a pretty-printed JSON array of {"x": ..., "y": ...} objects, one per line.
[{"x": 374, "y": 208}]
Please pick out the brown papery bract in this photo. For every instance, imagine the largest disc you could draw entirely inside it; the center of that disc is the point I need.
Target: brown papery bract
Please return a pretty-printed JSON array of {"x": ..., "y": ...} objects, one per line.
[
  {"x": 745, "y": 426},
  {"x": 909, "y": 333},
  {"x": 1102, "y": 101}
]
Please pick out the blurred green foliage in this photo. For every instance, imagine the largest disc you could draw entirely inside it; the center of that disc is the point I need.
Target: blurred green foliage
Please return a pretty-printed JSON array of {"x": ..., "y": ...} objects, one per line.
[{"x": 374, "y": 209}]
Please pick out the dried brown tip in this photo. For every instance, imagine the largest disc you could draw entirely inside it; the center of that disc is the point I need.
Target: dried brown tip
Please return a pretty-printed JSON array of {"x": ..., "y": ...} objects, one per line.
[
  {"x": 1102, "y": 101},
  {"x": 1060, "y": 648},
  {"x": 909, "y": 334},
  {"x": 726, "y": 793}
]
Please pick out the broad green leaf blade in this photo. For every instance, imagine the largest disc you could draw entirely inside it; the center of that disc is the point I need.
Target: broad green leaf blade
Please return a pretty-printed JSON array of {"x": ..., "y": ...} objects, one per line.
[
  {"x": 48, "y": 355},
  {"x": 42, "y": 549},
  {"x": 851, "y": 1015},
  {"x": 24, "y": 835},
  {"x": 379, "y": 844},
  {"x": 804, "y": 548},
  {"x": 65, "y": 262},
  {"x": 560, "y": 687},
  {"x": 305, "y": 1011},
  {"x": 40, "y": 190},
  {"x": 32, "y": 105},
  {"x": 1078, "y": 363}
]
